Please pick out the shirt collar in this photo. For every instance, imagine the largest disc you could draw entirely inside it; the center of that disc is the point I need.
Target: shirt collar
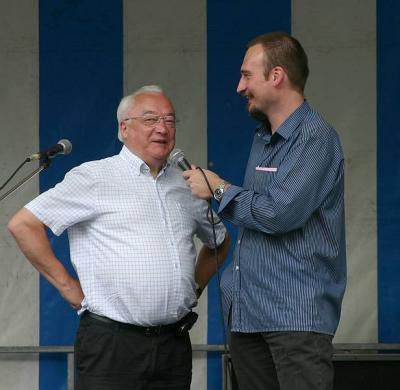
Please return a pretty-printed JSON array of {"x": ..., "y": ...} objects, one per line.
[
  {"x": 286, "y": 129},
  {"x": 291, "y": 123},
  {"x": 138, "y": 165}
]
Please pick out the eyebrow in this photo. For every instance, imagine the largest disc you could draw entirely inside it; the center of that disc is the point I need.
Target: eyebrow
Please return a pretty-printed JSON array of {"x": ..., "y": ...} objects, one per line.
[{"x": 156, "y": 113}]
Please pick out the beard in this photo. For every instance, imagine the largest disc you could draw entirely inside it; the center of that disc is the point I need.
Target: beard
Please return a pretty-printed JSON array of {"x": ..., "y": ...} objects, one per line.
[{"x": 257, "y": 114}]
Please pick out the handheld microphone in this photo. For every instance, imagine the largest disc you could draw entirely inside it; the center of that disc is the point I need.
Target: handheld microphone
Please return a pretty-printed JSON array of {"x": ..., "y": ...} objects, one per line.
[
  {"x": 177, "y": 157},
  {"x": 63, "y": 146}
]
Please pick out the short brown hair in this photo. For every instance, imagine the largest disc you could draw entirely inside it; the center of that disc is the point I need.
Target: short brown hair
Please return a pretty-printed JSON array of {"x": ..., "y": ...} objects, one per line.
[{"x": 281, "y": 49}]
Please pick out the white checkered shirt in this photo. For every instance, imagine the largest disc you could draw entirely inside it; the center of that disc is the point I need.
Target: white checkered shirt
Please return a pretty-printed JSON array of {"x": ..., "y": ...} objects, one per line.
[{"x": 131, "y": 237}]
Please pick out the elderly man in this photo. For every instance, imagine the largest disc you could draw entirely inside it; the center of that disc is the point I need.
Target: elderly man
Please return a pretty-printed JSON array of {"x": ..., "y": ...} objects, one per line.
[{"x": 131, "y": 222}]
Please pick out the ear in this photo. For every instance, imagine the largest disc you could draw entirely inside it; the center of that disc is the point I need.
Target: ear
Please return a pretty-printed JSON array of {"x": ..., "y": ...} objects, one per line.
[
  {"x": 277, "y": 75},
  {"x": 123, "y": 129}
]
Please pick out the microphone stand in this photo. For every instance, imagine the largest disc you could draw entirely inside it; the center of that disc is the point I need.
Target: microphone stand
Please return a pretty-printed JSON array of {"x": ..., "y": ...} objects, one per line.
[{"x": 44, "y": 164}]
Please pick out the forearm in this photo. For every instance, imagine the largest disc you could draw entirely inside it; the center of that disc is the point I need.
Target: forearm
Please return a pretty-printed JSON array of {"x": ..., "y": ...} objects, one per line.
[
  {"x": 250, "y": 210},
  {"x": 246, "y": 208},
  {"x": 31, "y": 237},
  {"x": 272, "y": 212},
  {"x": 206, "y": 265}
]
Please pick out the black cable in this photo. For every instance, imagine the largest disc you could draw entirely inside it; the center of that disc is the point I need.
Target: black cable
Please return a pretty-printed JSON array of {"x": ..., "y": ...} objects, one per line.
[
  {"x": 14, "y": 173},
  {"x": 210, "y": 217},
  {"x": 206, "y": 180}
]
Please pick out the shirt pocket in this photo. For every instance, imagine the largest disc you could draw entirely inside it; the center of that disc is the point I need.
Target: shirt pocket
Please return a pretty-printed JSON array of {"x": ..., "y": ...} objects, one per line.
[
  {"x": 182, "y": 219},
  {"x": 262, "y": 179}
]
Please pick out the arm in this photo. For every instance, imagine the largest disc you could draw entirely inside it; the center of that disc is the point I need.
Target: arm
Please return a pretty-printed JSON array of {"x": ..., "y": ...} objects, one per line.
[
  {"x": 309, "y": 172},
  {"x": 206, "y": 266},
  {"x": 31, "y": 237}
]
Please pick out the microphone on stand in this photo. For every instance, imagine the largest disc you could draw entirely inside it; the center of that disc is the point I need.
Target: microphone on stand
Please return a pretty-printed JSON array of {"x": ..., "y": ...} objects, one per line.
[{"x": 63, "y": 146}]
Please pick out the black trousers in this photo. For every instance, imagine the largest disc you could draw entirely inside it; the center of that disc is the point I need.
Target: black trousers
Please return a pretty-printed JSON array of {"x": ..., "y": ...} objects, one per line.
[
  {"x": 282, "y": 360},
  {"x": 113, "y": 357}
]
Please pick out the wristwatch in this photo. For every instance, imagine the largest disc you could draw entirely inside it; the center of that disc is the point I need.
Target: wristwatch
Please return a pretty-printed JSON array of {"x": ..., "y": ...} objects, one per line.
[{"x": 219, "y": 191}]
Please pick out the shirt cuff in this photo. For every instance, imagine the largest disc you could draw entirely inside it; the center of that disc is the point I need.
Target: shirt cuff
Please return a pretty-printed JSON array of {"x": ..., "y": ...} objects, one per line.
[{"x": 230, "y": 193}]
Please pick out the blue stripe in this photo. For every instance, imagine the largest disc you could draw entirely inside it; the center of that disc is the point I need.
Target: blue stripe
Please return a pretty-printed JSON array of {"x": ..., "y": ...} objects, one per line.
[
  {"x": 388, "y": 170},
  {"x": 80, "y": 85},
  {"x": 230, "y": 25}
]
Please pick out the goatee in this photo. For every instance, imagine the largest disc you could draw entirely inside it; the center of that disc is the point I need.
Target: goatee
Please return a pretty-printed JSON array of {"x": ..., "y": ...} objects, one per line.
[{"x": 257, "y": 114}]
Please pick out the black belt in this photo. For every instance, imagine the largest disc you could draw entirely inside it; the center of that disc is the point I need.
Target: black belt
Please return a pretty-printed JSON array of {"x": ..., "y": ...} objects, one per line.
[{"x": 147, "y": 330}]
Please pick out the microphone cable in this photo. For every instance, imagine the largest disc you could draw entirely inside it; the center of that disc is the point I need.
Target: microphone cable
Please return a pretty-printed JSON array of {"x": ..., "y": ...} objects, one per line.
[{"x": 210, "y": 217}]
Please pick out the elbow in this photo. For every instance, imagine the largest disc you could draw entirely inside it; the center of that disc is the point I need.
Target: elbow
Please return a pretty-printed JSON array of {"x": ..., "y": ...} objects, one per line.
[
  {"x": 12, "y": 225},
  {"x": 15, "y": 225},
  {"x": 287, "y": 224},
  {"x": 277, "y": 224},
  {"x": 21, "y": 222},
  {"x": 281, "y": 226}
]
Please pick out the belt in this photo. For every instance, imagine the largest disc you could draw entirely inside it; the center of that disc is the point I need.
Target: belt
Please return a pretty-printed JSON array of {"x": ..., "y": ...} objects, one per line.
[{"x": 147, "y": 330}]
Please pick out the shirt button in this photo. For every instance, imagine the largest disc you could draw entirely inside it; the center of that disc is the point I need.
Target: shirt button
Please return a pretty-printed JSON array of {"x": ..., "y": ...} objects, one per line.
[
  {"x": 237, "y": 268},
  {"x": 238, "y": 241}
]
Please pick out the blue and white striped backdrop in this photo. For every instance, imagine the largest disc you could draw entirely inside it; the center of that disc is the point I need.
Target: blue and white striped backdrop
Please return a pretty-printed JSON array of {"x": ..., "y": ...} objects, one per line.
[{"x": 89, "y": 53}]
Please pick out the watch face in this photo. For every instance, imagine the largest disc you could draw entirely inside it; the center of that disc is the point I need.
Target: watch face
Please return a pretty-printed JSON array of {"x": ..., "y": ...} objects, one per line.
[{"x": 218, "y": 193}]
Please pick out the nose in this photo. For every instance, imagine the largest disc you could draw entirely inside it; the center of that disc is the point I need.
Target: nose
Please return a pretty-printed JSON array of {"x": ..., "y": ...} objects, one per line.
[
  {"x": 241, "y": 86},
  {"x": 161, "y": 126}
]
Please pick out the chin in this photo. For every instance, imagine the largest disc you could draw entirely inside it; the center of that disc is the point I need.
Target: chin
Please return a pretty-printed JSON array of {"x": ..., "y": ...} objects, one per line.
[
  {"x": 161, "y": 154},
  {"x": 257, "y": 114}
]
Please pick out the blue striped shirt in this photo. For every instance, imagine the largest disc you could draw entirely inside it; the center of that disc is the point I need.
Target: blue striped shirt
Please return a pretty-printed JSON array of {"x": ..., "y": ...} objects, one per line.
[{"x": 289, "y": 267}]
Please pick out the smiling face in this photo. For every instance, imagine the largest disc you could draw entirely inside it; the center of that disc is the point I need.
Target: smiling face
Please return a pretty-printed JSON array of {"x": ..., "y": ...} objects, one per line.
[
  {"x": 152, "y": 142},
  {"x": 254, "y": 85}
]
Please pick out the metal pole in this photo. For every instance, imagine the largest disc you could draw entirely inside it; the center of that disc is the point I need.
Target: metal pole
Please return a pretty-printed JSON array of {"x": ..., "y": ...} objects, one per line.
[
  {"x": 70, "y": 371},
  {"x": 44, "y": 164}
]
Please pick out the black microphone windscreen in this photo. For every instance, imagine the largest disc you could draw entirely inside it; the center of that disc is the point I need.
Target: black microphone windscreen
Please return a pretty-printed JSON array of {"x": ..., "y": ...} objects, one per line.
[{"x": 67, "y": 146}]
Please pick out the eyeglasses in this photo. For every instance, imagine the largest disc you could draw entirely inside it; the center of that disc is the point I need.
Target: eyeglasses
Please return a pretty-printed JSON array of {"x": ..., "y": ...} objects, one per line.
[{"x": 150, "y": 120}]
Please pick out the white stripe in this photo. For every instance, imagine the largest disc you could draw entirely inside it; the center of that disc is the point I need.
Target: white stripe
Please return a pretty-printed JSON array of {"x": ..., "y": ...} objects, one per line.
[
  {"x": 176, "y": 62},
  {"x": 19, "y": 282},
  {"x": 341, "y": 45}
]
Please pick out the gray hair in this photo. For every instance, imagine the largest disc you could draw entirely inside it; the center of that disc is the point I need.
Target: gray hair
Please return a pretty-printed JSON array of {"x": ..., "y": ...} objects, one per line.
[{"x": 129, "y": 100}]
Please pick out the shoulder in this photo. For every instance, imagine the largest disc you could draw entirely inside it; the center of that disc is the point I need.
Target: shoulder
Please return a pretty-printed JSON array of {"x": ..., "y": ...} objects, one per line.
[
  {"x": 315, "y": 126},
  {"x": 91, "y": 171},
  {"x": 100, "y": 164},
  {"x": 181, "y": 191},
  {"x": 322, "y": 138},
  {"x": 175, "y": 180},
  {"x": 97, "y": 166}
]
